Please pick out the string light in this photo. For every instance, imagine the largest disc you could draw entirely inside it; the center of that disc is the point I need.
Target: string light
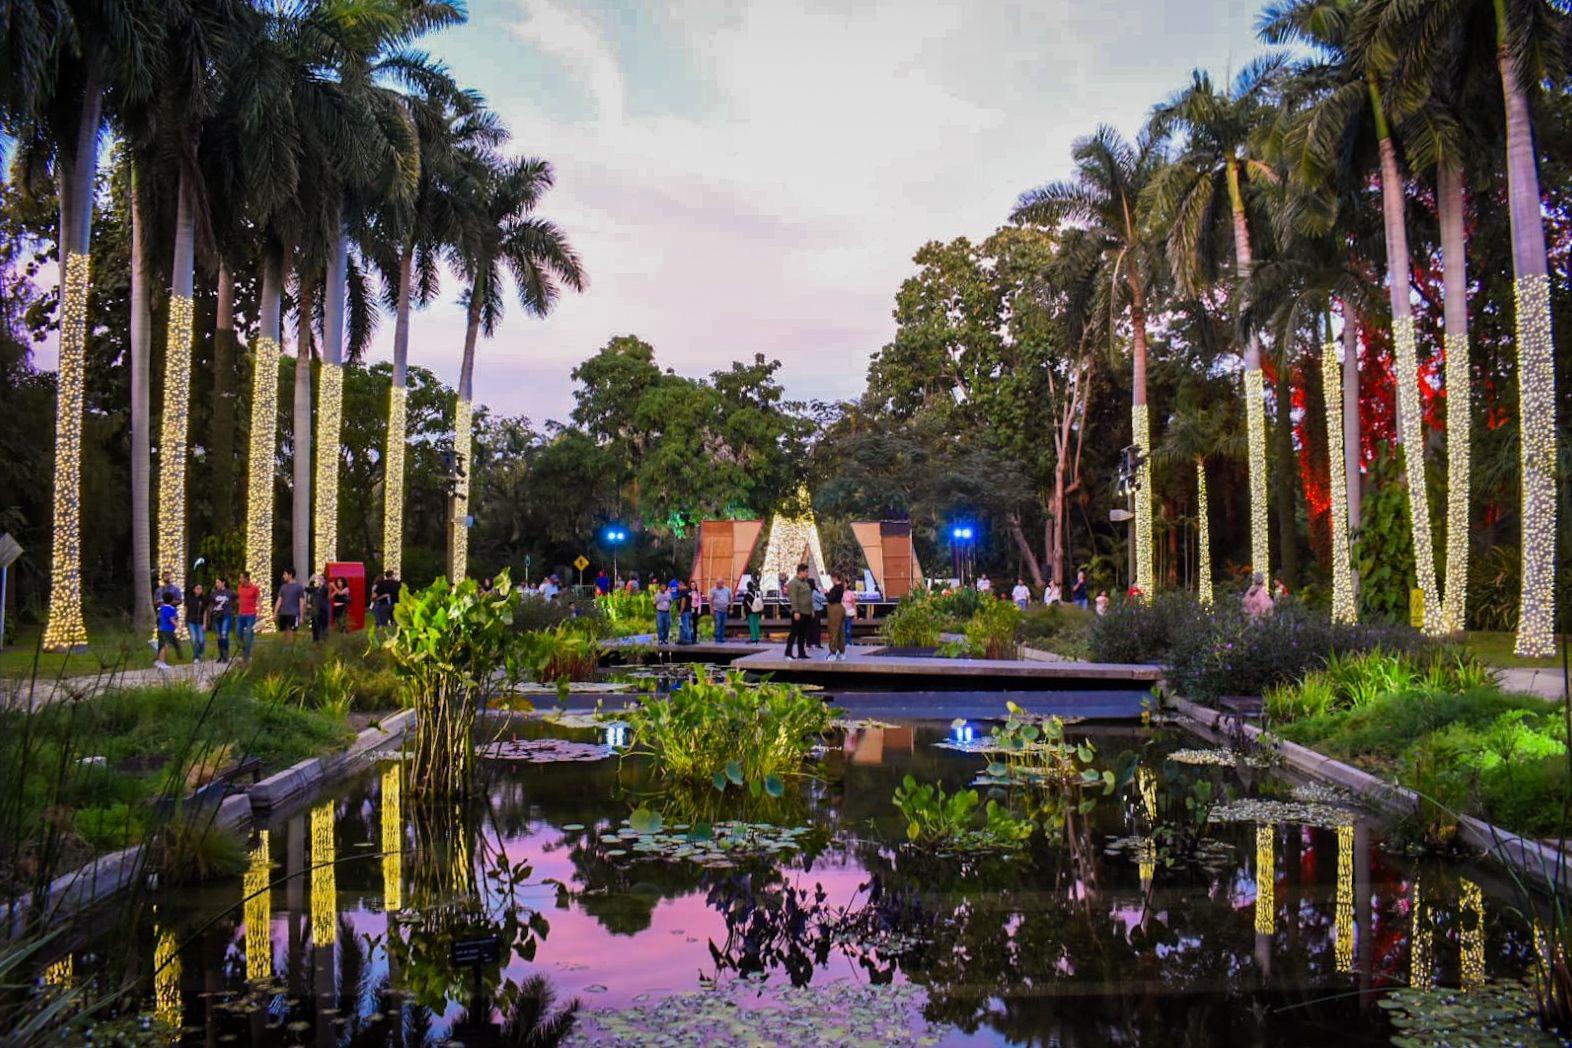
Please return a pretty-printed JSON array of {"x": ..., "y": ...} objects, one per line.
[
  {"x": 392, "y": 841},
  {"x": 330, "y": 415},
  {"x": 393, "y": 483},
  {"x": 1147, "y": 782},
  {"x": 166, "y": 979},
  {"x": 1343, "y": 945},
  {"x": 1146, "y": 858},
  {"x": 324, "y": 880},
  {"x": 462, "y": 869},
  {"x": 1471, "y": 934},
  {"x": 1411, "y": 426},
  {"x": 1203, "y": 527},
  {"x": 65, "y": 628},
  {"x": 172, "y": 442},
  {"x": 1141, "y": 436},
  {"x": 259, "y": 912},
  {"x": 458, "y": 550},
  {"x": 1343, "y": 606},
  {"x": 1421, "y": 957},
  {"x": 789, "y": 537},
  {"x": 1454, "y": 592},
  {"x": 1536, "y": 384},
  {"x": 259, "y": 477},
  {"x": 61, "y": 973},
  {"x": 1265, "y": 880},
  {"x": 1255, "y": 438}
]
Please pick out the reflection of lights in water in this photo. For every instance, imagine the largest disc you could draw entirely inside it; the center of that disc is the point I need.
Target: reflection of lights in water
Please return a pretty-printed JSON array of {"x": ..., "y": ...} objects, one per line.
[
  {"x": 616, "y": 736},
  {"x": 259, "y": 913},
  {"x": 1471, "y": 934},
  {"x": 1344, "y": 942},
  {"x": 61, "y": 973},
  {"x": 1146, "y": 852},
  {"x": 392, "y": 841},
  {"x": 962, "y": 733},
  {"x": 1421, "y": 962},
  {"x": 1265, "y": 880},
  {"x": 324, "y": 883},
  {"x": 1147, "y": 782},
  {"x": 166, "y": 979}
]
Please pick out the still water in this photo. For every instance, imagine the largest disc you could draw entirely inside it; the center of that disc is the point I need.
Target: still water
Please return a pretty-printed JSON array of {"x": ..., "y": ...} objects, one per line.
[{"x": 342, "y": 929}]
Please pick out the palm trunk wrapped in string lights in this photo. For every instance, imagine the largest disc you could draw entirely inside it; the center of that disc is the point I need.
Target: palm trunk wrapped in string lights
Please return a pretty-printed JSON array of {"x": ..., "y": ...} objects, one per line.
[
  {"x": 1203, "y": 532},
  {"x": 66, "y": 627},
  {"x": 259, "y": 476},
  {"x": 173, "y": 439},
  {"x": 1141, "y": 436},
  {"x": 1536, "y": 376},
  {"x": 1344, "y": 608},
  {"x": 330, "y": 414},
  {"x": 393, "y": 482},
  {"x": 1255, "y": 439},
  {"x": 1410, "y": 426},
  {"x": 458, "y": 548}
]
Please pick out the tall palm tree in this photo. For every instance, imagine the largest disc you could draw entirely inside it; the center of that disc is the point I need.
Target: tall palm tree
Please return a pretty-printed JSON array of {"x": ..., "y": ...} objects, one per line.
[
  {"x": 68, "y": 56},
  {"x": 1220, "y": 161},
  {"x": 406, "y": 237},
  {"x": 1519, "y": 42},
  {"x": 1352, "y": 104},
  {"x": 1111, "y": 175},
  {"x": 501, "y": 232}
]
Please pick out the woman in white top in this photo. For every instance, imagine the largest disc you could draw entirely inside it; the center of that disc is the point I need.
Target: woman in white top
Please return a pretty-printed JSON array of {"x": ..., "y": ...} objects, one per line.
[{"x": 1051, "y": 594}]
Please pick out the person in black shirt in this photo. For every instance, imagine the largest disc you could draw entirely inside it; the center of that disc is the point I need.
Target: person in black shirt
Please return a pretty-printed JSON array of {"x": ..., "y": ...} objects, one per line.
[
  {"x": 220, "y": 613},
  {"x": 384, "y": 594},
  {"x": 196, "y": 621},
  {"x": 317, "y": 607},
  {"x": 338, "y": 596},
  {"x": 837, "y": 617}
]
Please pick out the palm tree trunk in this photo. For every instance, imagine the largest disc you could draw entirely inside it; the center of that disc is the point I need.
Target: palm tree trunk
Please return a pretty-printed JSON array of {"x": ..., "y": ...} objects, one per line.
[
  {"x": 1203, "y": 521},
  {"x": 1141, "y": 436},
  {"x": 65, "y": 627},
  {"x": 393, "y": 460},
  {"x": 330, "y": 401},
  {"x": 458, "y": 531},
  {"x": 1254, "y": 386},
  {"x": 1352, "y": 426},
  {"x": 174, "y": 433},
  {"x": 1344, "y": 607},
  {"x": 1410, "y": 426},
  {"x": 264, "y": 434},
  {"x": 141, "y": 440},
  {"x": 223, "y": 421},
  {"x": 300, "y": 503},
  {"x": 1454, "y": 265},
  {"x": 1287, "y": 474},
  {"x": 1536, "y": 373}
]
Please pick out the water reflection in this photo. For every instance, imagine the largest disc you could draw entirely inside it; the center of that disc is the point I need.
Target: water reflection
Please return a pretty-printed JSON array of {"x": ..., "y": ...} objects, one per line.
[
  {"x": 1345, "y": 898},
  {"x": 166, "y": 979},
  {"x": 392, "y": 840},
  {"x": 258, "y": 895}
]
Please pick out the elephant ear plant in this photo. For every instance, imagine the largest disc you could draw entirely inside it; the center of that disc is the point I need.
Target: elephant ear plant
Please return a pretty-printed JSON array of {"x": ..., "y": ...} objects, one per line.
[{"x": 450, "y": 643}]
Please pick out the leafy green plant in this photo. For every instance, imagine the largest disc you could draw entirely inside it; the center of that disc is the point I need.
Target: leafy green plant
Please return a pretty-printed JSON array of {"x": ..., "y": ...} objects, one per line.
[
  {"x": 936, "y": 819},
  {"x": 628, "y": 613},
  {"x": 560, "y": 654},
  {"x": 333, "y": 690},
  {"x": 276, "y": 689},
  {"x": 916, "y": 622},
  {"x": 1383, "y": 545},
  {"x": 993, "y": 631},
  {"x": 1060, "y": 628},
  {"x": 1353, "y": 681},
  {"x": 729, "y": 731}
]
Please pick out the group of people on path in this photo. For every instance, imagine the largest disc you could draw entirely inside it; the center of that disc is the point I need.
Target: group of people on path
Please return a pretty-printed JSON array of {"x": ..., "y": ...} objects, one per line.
[
  {"x": 807, "y": 602},
  {"x": 223, "y": 612}
]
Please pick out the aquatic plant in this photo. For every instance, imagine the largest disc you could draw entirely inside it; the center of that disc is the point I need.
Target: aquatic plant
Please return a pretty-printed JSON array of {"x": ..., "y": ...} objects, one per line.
[
  {"x": 993, "y": 631},
  {"x": 936, "y": 819},
  {"x": 729, "y": 732},
  {"x": 628, "y": 613},
  {"x": 561, "y": 653},
  {"x": 916, "y": 622}
]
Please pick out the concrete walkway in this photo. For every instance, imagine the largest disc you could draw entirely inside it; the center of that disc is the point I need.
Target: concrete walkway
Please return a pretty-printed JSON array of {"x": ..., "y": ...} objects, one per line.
[
  {"x": 1546, "y": 683},
  {"x": 30, "y": 694}
]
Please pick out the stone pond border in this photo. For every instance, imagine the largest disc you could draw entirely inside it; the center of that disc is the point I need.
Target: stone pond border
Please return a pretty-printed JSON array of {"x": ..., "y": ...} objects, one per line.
[
  {"x": 1545, "y": 866},
  {"x": 70, "y": 893}
]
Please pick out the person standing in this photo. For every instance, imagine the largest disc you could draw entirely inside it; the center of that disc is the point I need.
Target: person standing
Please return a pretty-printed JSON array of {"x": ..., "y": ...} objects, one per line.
[
  {"x": 1258, "y": 599},
  {"x": 247, "y": 594},
  {"x": 220, "y": 614},
  {"x": 816, "y": 624},
  {"x": 317, "y": 606},
  {"x": 291, "y": 605},
  {"x": 168, "y": 622},
  {"x": 686, "y": 628},
  {"x": 602, "y": 583},
  {"x": 720, "y": 607},
  {"x": 1051, "y": 594},
  {"x": 799, "y": 595},
  {"x": 168, "y": 591},
  {"x": 1102, "y": 602},
  {"x": 1020, "y": 594},
  {"x": 1078, "y": 592},
  {"x": 197, "y": 605},
  {"x": 849, "y": 602},
  {"x": 338, "y": 596},
  {"x": 662, "y": 615},
  {"x": 755, "y": 604},
  {"x": 837, "y": 617},
  {"x": 984, "y": 584},
  {"x": 384, "y": 594}
]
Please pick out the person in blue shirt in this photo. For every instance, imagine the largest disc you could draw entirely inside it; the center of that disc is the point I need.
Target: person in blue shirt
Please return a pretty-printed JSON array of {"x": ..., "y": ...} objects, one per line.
[
  {"x": 168, "y": 621},
  {"x": 602, "y": 583}
]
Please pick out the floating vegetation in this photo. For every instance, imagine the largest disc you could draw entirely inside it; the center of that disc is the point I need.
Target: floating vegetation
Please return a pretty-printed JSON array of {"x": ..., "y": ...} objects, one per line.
[
  {"x": 543, "y": 751},
  {"x": 866, "y": 724},
  {"x": 1265, "y": 812},
  {"x": 1320, "y": 793},
  {"x": 1220, "y": 757},
  {"x": 748, "y": 1011},
  {"x": 1498, "y": 1012},
  {"x": 577, "y": 720},
  {"x": 718, "y": 844},
  {"x": 1209, "y": 853}
]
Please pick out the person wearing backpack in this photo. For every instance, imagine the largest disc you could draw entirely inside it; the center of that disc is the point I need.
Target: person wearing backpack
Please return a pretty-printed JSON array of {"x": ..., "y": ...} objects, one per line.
[{"x": 755, "y": 605}]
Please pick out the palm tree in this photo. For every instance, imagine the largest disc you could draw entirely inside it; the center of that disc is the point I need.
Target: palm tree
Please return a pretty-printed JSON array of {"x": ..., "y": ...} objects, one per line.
[
  {"x": 1196, "y": 433},
  {"x": 67, "y": 56},
  {"x": 1219, "y": 157},
  {"x": 501, "y": 231},
  {"x": 1104, "y": 196},
  {"x": 1433, "y": 40},
  {"x": 407, "y": 238}
]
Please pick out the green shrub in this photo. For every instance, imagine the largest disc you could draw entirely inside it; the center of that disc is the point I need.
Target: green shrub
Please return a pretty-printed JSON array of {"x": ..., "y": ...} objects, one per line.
[
  {"x": 1060, "y": 628},
  {"x": 729, "y": 731},
  {"x": 993, "y": 631},
  {"x": 331, "y": 690},
  {"x": 563, "y": 653},
  {"x": 1354, "y": 681},
  {"x": 1511, "y": 771},
  {"x": 915, "y": 623},
  {"x": 956, "y": 606},
  {"x": 108, "y": 829},
  {"x": 628, "y": 613},
  {"x": 1144, "y": 631}
]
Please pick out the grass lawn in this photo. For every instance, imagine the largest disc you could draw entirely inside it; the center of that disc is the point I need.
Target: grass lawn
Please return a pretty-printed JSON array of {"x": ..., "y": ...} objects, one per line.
[
  {"x": 1496, "y": 649},
  {"x": 110, "y": 648}
]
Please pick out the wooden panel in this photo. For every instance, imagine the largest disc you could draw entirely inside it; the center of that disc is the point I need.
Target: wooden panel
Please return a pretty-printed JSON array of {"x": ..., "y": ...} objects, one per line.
[
  {"x": 895, "y": 541},
  {"x": 725, "y": 547},
  {"x": 867, "y": 533}
]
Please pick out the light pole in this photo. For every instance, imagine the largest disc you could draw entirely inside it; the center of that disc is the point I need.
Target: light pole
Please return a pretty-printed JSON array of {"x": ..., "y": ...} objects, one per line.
[
  {"x": 961, "y": 536},
  {"x": 615, "y": 536}
]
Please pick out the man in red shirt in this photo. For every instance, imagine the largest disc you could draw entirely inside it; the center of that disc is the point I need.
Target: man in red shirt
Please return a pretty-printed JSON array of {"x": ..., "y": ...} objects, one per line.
[{"x": 246, "y": 596}]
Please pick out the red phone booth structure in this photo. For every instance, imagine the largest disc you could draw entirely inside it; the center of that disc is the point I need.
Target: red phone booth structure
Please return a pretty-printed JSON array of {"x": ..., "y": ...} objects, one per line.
[{"x": 353, "y": 572}]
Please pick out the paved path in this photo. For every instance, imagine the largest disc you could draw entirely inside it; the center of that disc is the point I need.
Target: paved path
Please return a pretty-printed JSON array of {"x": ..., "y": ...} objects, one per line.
[
  {"x": 27, "y": 694},
  {"x": 1546, "y": 683}
]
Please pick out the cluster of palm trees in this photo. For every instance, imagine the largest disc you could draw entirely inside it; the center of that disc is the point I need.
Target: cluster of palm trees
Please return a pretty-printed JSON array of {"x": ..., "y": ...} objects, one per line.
[
  {"x": 1394, "y": 96},
  {"x": 309, "y": 142}
]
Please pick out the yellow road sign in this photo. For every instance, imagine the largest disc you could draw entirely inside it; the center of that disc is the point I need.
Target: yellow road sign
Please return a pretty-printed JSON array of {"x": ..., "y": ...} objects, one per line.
[{"x": 581, "y": 562}]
